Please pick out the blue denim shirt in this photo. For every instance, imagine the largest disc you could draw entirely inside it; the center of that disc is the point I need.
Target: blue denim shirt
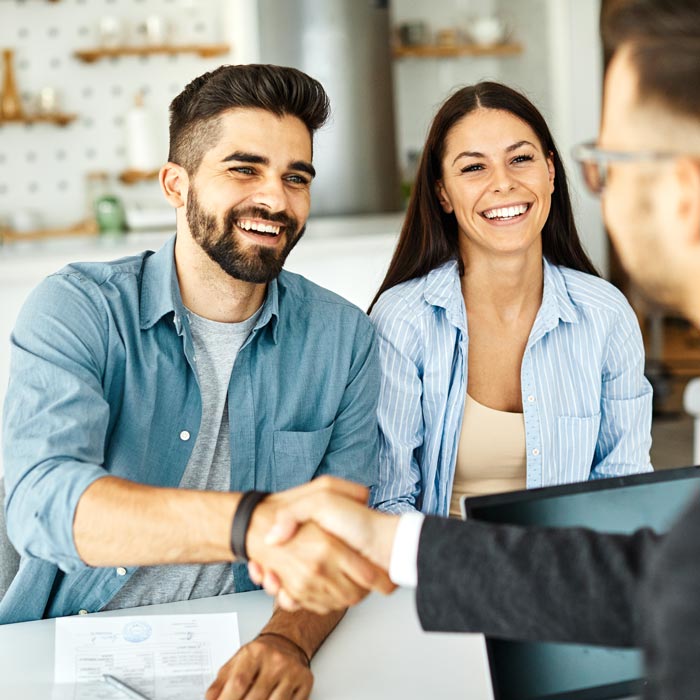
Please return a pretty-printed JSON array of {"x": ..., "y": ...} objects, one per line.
[{"x": 102, "y": 382}]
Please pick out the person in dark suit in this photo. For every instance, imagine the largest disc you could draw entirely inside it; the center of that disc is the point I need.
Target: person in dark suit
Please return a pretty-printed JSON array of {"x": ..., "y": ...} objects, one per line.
[{"x": 575, "y": 585}]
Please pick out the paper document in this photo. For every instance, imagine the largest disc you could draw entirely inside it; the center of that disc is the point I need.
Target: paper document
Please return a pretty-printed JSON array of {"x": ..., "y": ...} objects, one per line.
[{"x": 164, "y": 657}]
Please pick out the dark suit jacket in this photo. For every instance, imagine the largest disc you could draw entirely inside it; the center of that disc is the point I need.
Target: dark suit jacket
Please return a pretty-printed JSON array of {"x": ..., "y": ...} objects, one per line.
[{"x": 571, "y": 585}]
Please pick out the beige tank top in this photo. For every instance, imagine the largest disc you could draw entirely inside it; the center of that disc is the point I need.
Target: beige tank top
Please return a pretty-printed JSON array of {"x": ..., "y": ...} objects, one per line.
[{"x": 491, "y": 456}]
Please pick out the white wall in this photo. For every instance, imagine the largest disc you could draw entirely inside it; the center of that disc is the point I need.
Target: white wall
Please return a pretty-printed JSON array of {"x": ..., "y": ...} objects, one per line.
[
  {"x": 561, "y": 72},
  {"x": 240, "y": 26},
  {"x": 420, "y": 84},
  {"x": 532, "y": 71},
  {"x": 576, "y": 55}
]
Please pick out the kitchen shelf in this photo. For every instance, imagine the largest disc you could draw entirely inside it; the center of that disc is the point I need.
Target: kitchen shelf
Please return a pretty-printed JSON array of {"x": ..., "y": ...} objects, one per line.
[
  {"x": 88, "y": 227},
  {"x": 131, "y": 177},
  {"x": 203, "y": 50},
  {"x": 434, "y": 51},
  {"x": 58, "y": 118}
]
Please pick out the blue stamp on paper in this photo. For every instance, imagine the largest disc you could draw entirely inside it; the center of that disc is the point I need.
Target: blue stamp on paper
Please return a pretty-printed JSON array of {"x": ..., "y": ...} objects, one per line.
[{"x": 136, "y": 631}]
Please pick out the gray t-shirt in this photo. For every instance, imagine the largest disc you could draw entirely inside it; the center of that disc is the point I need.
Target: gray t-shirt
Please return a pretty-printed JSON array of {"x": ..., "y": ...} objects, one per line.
[{"x": 216, "y": 346}]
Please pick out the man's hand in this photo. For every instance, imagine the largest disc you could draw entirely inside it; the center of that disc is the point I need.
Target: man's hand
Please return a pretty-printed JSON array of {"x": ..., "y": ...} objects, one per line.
[
  {"x": 268, "y": 667},
  {"x": 316, "y": 569},
  {"x": 368, "y": 532}
]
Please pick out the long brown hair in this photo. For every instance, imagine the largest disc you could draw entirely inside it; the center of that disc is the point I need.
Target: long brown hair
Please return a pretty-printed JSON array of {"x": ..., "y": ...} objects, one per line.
[{"x": 429, "y": 235}]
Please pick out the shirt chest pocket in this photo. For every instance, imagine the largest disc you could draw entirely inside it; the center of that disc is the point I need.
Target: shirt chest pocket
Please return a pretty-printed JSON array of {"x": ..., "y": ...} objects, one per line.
[
  {"x": 574, "y": 448},
  {"x": 298, "y": 455}
]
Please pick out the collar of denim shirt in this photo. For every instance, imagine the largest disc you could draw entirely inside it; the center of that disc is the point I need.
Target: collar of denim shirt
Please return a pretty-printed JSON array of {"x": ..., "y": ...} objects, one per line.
[{"x": 160, "y": 293}]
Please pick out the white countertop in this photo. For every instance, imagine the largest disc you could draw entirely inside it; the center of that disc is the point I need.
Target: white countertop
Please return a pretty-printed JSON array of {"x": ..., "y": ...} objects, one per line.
[
  {"x": 348, "y": 254},
  {"x": 318, "y": 228}
]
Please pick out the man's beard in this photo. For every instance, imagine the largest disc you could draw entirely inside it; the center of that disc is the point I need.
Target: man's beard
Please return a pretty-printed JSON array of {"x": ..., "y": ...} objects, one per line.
[{"x": 259, "y": 264}]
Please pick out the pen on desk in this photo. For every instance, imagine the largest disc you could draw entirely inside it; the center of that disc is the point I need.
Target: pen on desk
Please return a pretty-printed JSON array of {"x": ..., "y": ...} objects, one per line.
[{"x": 120, "y": 685}]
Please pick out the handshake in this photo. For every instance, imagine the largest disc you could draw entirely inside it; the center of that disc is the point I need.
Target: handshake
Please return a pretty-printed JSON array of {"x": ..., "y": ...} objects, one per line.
[{"x": 319, "y": 546}]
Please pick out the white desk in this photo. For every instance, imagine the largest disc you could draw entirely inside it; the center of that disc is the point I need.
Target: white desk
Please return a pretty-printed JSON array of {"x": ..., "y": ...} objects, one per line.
[{"x": 377, "y": 652}]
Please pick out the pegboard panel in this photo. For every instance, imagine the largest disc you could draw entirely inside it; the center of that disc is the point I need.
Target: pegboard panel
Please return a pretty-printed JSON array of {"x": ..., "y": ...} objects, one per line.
[{"x": 43, "y": 167}]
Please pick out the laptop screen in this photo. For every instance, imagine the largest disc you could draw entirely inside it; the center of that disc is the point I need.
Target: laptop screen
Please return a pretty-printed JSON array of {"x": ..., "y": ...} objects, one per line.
[{"x": 525, "y": 670}]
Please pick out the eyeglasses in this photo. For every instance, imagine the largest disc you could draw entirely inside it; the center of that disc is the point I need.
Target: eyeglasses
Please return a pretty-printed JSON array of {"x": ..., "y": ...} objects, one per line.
[{"x": 595, "y": 162}]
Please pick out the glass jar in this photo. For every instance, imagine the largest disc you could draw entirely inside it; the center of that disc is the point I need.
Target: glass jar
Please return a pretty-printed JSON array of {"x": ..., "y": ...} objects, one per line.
[{"x": 104, "y": 205}]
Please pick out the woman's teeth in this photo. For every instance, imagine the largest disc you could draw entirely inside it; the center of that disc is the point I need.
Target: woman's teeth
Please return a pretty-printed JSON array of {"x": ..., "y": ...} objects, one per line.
[{"x": 506, "y": 212}]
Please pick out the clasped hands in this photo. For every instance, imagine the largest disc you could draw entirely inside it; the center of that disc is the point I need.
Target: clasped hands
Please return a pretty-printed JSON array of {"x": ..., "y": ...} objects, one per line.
[{"x": 319, "y": 546}]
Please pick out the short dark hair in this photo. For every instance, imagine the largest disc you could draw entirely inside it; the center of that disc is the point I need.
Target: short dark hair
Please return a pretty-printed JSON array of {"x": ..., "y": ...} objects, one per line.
[
  {"x": 429, "y": 236},
  {"x": 194, "y": 123},
  {"x": 664, "y": 38}
]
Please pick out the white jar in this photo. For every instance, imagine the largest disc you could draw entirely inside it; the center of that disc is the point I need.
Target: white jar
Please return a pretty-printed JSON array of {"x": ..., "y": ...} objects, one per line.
[{"x": 487, "y": 29}]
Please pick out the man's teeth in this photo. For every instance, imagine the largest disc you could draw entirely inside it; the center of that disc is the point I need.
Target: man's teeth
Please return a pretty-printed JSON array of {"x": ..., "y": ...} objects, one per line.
[
  {"x": 505, "y": 212},
  {"x": 259, "y": 228}
]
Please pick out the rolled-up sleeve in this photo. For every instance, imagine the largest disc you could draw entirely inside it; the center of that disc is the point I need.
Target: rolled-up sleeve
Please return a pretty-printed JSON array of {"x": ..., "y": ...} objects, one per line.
[
  {"x": 400, "y": 413},
  {"x": 55, "y": 416},
  {"x": 624, "y": 439}
]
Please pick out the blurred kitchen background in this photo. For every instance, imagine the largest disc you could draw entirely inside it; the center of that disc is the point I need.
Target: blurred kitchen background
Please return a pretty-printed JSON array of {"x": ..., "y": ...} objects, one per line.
[{"x": 84, "y": 94}]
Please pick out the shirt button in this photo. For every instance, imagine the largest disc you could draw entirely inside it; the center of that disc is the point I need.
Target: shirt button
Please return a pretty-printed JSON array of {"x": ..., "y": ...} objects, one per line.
[
  {"x": 82, "y": 612},
  {"x": 531, "y": 398},
  {"x": 535, "y": 452},
  {"x": 185, "y": 435},
  {"x": 121, "y": 571}
]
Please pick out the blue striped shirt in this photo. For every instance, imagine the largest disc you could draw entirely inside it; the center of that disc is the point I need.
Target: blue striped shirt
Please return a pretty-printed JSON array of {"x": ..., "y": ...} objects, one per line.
[{"x": 586, "y": 403}]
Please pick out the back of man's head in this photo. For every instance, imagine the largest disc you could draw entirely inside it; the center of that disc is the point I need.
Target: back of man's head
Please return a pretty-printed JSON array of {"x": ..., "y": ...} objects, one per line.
[
  {"x": 194, "y": 123},
  {"x": 664, "y": 41}
]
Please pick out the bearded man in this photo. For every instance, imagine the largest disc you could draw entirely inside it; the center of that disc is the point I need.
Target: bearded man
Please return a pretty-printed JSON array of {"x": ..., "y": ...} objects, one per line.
[{"x": 146, "y": 394}]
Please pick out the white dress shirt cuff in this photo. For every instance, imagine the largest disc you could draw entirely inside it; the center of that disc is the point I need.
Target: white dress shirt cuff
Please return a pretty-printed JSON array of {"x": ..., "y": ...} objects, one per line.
[{"x": 403, "y": 567}]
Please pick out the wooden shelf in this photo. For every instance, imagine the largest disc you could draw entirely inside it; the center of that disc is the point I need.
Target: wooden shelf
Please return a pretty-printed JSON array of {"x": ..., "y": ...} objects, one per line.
[
  {"x": 59, "y": 119},
  {"x": 82, "y": 228},
  {"x": 131, "y": 177},
  {"x": 203, "y": 50},
  {"x": 433, "y": 51}
]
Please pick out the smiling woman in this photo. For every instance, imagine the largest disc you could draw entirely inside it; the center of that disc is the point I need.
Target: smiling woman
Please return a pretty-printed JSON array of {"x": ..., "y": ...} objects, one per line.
[
  {"x": 507, "y": 362},
  {"x": 499, "y": 188}
]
